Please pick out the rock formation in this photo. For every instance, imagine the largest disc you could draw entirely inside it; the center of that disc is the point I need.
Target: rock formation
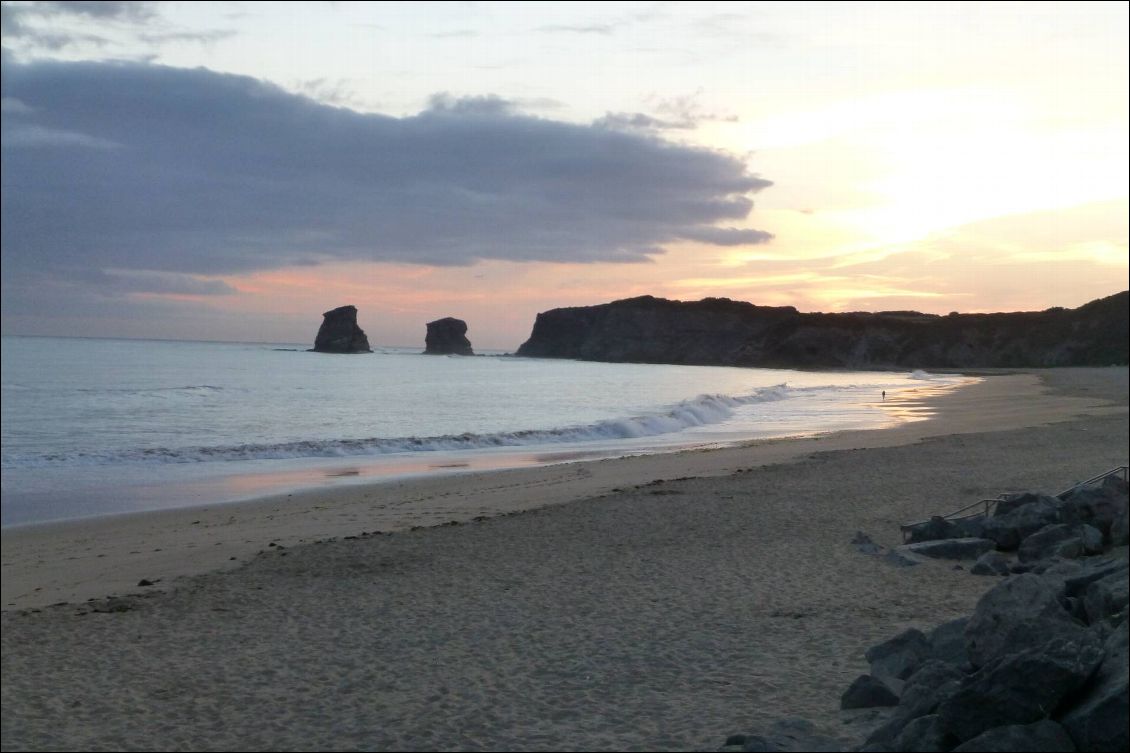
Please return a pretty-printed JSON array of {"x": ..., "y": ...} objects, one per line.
[
  {"x": 339, "y": 333},
  {"x": 1040, "y": 664},
  {"x": 447, "y": 336},
  {"x": 718, "y": 331}
]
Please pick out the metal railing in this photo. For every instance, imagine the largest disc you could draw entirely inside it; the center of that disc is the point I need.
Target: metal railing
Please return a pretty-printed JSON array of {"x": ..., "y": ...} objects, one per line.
[{"x": 990, "y": 504}]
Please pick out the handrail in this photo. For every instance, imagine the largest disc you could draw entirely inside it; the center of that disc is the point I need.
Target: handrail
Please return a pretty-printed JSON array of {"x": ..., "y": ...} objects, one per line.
[
  {"x": 990, "y": 503},
  {"x": 1121, "y": 470}
]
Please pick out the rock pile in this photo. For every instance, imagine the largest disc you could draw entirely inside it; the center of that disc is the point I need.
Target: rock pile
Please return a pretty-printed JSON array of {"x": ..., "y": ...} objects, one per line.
[
  {"x": 1041, "y": 664},
  {"x": 1037, "y": 527}
]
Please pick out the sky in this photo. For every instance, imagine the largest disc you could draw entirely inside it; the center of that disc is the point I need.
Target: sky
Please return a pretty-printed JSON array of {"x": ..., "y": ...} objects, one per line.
[{"x": 229, "y": 171}]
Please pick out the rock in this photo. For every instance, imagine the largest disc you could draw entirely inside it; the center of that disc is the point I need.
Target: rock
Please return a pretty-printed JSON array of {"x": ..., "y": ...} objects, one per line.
[
  {"x": 1056, "y": 540},
  {"x": 866, "y": 692},
  {"x": 1120, "y": 530},
  {"x": 924, "y": 691},
  {"x": 789, "y": 734},
  {"x": 924, "y": 735},
  {"x": 1010, "y": 502},
  {"x": 1092, "y": 539},
  {"x": 447, "y": 336},
  {"x": 1010, "y": 528},
  {"x": 1107, "y": 596},
  {"x": 895, "y": 558},
  {"x": 1098, "y": 719},
  {"x": 339, "y": 333},
  {"x": 947, "y": 643},
  {"x": 950, "y": 549},
  {"x": 1044, "y": 736},
  {"x": 934, "y": 529},
  {"x": 864, "y": 544},
  {"x": 900, "y": 656},
  {"x": 1020, "y": 688},
  {"x": 1090, "y": 570},
  {"x": 1018, "y": 613},
  {"x": 991, "y": 563},
  {"x": 1099, "y": 505}
]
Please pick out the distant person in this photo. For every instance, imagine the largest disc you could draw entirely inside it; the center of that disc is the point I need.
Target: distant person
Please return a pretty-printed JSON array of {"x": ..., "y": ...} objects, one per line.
[{"x": 884, "y": 395}]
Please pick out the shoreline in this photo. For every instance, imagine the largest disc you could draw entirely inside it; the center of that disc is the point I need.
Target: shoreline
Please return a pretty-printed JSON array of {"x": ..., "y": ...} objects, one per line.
[
  {"x": 658, "y": 615},
  {"x": 73, "y": 561}
]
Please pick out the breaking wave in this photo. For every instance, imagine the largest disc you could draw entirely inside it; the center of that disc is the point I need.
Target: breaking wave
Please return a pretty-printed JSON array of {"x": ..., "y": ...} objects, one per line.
[{"x": 700, "y": 411}]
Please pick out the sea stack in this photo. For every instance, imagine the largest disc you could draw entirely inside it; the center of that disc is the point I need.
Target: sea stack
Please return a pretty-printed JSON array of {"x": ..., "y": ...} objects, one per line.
[
  {"x": 447, "y": 336},
  {"x": 339, "y": 333}
]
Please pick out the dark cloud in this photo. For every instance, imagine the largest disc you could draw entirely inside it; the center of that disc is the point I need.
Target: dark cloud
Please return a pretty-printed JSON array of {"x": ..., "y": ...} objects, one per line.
[
  {"x": 207, "y": 36},
  {"x": 152, "y": 171},
  {"x": 102, "y": 9},
  {"x": 638, "y": 121},
  {"x": 53, "y": 26},
  {"x": 680, "y": 113}
]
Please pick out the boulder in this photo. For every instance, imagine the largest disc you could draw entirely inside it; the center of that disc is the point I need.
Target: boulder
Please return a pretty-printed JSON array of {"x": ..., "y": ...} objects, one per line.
[
  {"x": 1010, "y": 502},
  {"x": 896, "y": 558},
  {"x": 1056, "y": 540},
  {"x": 447, "y": 336},
  {"x": 1099, "y": 504},
  {"x": 924, "y": 735},
  {"x": 900, "y": 656},
  {"x": 1090, "y": 570},
  {"x": 933, "y": 683},
  {"x": 1021, "y": 688},
  {"x": 1044, "y": 736},
  {"x": 788, "y": 734},
  {"x": 1120, "y": 530},
  {"x": 339, "y": 333},
  {"x": 947, "y": 643},
  {"x": 863, "y": 543},
  {"x": 1012, "y": 527},
  {"x": 991, "y": 563},
  {"x": 1107, "y": 596},
  {"x": 1018, "y": 613},
  {"x": 950, "y": 549},
  {"x": 934, "y": 529},
  {"x": 866, "y": 692},
  {"x": 1097, "y": 721}
]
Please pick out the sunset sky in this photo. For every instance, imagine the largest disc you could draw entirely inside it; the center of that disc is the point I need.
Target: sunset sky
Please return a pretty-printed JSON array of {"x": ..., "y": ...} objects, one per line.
[{"x": 229, "y": 171}]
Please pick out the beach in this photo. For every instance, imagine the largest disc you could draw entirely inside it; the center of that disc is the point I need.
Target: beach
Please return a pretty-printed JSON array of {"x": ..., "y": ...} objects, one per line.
[{"x": 655, "y": 602}]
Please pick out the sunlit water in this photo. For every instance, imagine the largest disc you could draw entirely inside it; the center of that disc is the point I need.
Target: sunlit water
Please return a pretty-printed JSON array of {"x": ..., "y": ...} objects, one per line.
[{"x": 92, "y": 427}]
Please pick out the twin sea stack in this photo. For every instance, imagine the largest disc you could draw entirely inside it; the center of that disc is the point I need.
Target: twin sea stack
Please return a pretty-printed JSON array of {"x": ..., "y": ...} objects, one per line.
[
  {"x": 447, "y": 336},
  {"x": 339, "y": 333},
  {"x": 721, "y": 332}
]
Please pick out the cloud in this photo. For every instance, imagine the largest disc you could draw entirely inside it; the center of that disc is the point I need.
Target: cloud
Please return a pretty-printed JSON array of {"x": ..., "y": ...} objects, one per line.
[
  {"x": 684, "y": 112},
  {"x": 602, "y": 29},
  {"x": 152, "y": 169},
  {"x": 55, "y": 26}
]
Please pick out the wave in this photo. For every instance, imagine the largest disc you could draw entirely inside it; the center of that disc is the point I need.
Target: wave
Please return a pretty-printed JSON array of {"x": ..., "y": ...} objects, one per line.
[
  {"x": 702, "y": 410},
  {"x": 150, "y": 390}
]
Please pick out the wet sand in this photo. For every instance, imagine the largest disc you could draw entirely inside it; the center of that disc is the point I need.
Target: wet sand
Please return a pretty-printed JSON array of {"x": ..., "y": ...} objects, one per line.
[{"x": 657, "y": 602}]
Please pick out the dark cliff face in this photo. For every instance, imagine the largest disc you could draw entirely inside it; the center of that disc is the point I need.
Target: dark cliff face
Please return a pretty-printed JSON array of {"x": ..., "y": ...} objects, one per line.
[
  {"x": 339, "y": 333},
  {"x": 447, "y": 336},
  {"x": 718, "y": 331}
]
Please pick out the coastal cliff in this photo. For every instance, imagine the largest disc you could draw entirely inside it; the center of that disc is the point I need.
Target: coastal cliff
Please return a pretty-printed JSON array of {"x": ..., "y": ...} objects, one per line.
[{"x": 719, "y": 331}]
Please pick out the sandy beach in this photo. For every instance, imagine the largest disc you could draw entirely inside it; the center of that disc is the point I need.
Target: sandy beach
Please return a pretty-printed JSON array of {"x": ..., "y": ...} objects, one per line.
[{"x": 655, "y": 602}]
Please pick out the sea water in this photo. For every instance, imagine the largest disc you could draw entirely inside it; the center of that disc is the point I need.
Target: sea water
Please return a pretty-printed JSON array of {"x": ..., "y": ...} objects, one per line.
[{"x": 93, "y": 427}]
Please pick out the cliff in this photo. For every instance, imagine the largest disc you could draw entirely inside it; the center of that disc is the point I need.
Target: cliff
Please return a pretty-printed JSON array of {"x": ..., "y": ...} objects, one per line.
[
  {"x": 718, "y": 331},
  {"x": 339, "y": 333}
]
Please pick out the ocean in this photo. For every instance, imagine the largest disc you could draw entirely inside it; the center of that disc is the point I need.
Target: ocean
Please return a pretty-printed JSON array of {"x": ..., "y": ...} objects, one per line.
[{"x": 94, "y": 427}]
